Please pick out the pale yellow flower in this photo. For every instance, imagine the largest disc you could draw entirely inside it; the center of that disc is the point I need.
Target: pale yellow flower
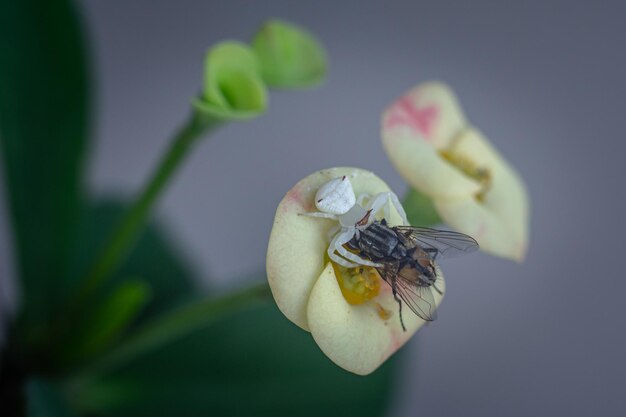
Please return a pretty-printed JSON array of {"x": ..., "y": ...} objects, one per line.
[
  {"x": 351, "y": 315},
  {"x": 473, "y": 188}
]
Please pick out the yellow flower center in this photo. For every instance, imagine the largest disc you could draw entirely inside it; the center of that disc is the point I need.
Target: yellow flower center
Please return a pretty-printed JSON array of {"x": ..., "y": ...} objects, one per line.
[{"x": 358, "y": 285}]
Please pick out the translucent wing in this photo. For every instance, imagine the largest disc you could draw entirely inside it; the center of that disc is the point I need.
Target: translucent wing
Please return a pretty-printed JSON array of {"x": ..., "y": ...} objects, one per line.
[
  {"x": 441, "y": 243},
  {"x": 418, "y": 298}
]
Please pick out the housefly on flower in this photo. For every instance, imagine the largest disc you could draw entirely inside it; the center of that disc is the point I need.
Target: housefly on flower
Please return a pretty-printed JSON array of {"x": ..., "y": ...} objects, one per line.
[{"x": 405, "y": 258}]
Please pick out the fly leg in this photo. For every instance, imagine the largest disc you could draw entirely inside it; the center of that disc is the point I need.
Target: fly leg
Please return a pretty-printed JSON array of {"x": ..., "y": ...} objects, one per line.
[{"x": 395, "y": 297}]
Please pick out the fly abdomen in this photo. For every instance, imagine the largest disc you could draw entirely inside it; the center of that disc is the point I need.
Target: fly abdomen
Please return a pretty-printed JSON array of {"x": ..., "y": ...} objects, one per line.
[{"x": 420, "y": 260}]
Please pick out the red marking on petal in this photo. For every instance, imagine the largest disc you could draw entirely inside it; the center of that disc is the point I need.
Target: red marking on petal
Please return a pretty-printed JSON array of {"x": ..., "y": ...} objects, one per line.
[
  {"x": 295, "y": 197},
  {"x": 405, "y": 113}
]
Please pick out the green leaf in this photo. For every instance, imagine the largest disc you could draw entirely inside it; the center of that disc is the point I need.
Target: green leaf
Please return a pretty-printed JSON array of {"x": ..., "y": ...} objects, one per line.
[
  {"x": 110, "y": 319},
  {"x": 154, "y": 258},
  {"x": 44, "y": 98},
  {"x": 178, "y": 323},
  {"x": 255, "y": 363},
  {"x": 420, "y": 209},
  {"x": 45, "y": 399},
  {"x": 290, "y": 56},
  {"x": 233, "y": 88}
]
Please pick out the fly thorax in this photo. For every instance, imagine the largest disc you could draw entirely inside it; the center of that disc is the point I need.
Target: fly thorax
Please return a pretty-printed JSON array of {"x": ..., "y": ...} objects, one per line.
[
  {"x": 378, "y": 241},
  {"x": 400, "y": 252}
]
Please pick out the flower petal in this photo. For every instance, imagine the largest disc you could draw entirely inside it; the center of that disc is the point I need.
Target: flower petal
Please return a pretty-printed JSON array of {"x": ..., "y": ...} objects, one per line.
[
  {"x": 355, "y": 337},
  {"x": 415, "y": 128},
  {"x": 297, "y": 245},
  {"x": 429, "y": 111},
  {"x": 233, "y": 88},
  {"x": 500, "y": 222},
  {"x": 290, "y": 56}
]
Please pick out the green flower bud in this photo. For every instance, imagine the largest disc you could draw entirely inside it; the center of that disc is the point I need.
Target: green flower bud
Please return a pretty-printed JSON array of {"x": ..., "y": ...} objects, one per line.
[
  {"x": 233, "y": 88},
  {"x": 290, "y": 57}
]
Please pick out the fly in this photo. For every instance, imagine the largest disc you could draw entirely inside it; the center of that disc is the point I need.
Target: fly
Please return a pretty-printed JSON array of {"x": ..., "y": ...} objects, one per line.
[{"x": 407, "y": 256}]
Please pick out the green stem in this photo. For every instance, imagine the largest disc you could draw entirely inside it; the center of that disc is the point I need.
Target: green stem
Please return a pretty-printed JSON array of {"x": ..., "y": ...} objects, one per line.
[
  {"x": 124, "y": 236},
  {"x": 178, "y": 323}
]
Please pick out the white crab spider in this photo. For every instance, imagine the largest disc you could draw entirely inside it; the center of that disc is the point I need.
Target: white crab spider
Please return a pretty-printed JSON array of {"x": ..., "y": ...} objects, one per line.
[{"x": 336, "y": 200}]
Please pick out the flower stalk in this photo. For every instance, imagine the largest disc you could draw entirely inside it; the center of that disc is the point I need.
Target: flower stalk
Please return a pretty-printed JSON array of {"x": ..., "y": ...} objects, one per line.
[{"x": 125, "y": 234}]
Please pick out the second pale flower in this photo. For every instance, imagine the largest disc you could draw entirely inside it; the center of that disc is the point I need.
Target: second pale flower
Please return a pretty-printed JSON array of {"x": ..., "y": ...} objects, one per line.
[{"x": 474, "y": 189}]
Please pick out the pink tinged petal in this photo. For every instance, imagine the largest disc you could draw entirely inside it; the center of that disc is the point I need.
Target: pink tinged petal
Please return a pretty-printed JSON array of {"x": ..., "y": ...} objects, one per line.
[
  {"x": 405, "y": 114},
  {"x": 415, "y": 129},
  {"x": 355, "y": 337},
  {"x": 295, "y": 255},
  {"x": 421, "y": 165},
  {"x": 429, "y": 112},
  {"x": 500, "y": 222}
]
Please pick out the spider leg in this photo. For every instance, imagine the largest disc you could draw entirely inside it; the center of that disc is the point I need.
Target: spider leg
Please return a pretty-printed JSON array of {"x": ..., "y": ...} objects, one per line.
[
  {"x": 337, "y": 245},
  {"x": 332, "y": 248},
  {"x": 398, "y": 206},
  {"x": 356, "y": 258},
  {"x": 341, "y": 261},
  {"x": 361, "y": 198},
  {"x": 319, "y": 214},
  {"x": 381, "y": 201}
]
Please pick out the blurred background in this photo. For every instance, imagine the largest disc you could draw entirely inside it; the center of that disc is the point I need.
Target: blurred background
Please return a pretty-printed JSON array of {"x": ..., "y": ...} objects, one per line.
[{"x": 543, "y": 80}]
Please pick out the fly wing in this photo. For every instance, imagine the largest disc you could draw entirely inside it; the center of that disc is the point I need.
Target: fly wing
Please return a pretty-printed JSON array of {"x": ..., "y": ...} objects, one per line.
[
  {"x": 443, "y": 243},
  {"x": 420, "y": 299},
  {"x": 404, "y": 283}
]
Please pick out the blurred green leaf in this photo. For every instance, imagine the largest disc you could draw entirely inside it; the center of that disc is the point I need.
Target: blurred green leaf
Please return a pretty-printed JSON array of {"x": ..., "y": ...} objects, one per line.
[
  {"x": 255, "y": 363},
  {"x": 290, "y": 56},
  {"x": 110, "y": 319},
  {"x": 44, "y": 98},
  {"x": 45, "y": 399},
  {"x": 178, "y": 323},
  {"x": 420, "y": 210},
  {"x": 154, "y": 257},
  {"x": 233, "y": 88}
]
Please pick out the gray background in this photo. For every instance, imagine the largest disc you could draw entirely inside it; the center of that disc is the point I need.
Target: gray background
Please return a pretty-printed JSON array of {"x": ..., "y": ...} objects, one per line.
[{"x": 544, "y": 80}]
